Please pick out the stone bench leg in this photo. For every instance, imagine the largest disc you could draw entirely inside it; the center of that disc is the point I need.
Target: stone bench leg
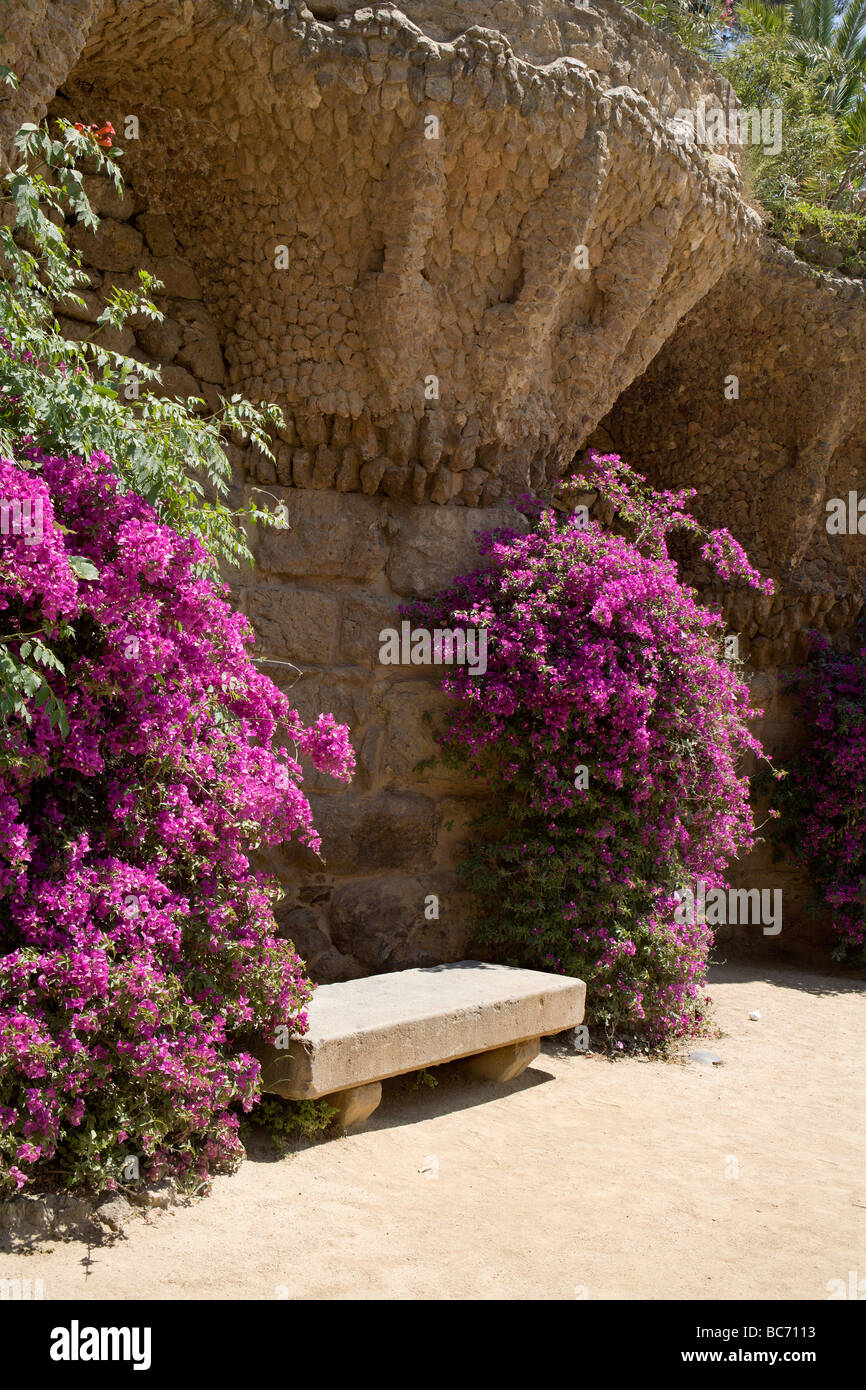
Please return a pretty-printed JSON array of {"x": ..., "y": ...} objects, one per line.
[
  {"x": 356, "y": 1103},
  {"x": 505, "y": 1063}
]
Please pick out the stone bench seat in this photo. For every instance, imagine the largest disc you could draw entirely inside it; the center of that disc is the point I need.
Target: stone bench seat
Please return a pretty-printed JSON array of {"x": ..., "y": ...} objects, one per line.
[{"x": 363, "y": 1031}]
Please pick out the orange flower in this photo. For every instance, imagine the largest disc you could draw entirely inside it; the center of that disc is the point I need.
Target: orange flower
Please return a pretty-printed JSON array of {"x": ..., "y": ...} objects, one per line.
[{"x": 101, "y": 134}]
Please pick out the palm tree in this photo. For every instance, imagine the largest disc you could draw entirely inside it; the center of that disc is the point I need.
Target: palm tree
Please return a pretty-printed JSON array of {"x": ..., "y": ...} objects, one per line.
[
  {"x": 827, "y": 43},
  {"x": 693, "y": 23}
]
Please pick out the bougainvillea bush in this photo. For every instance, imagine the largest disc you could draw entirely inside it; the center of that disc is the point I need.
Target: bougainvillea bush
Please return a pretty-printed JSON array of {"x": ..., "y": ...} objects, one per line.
[
  {"x": 135, "y": 938},
  {"x": 823, "y": 794},
  {"x": 144, "y": 758},
  {"x": 80, "y": 398},
  {"x": 609, "y": 729}
]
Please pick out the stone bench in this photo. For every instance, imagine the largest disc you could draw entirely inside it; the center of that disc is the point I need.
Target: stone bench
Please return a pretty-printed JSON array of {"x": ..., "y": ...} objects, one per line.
[{"x": 363, "y": 1031}]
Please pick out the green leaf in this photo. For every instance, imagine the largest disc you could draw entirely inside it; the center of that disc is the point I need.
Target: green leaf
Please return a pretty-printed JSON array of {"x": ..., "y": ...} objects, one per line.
[{"x": 83, "y": 567}]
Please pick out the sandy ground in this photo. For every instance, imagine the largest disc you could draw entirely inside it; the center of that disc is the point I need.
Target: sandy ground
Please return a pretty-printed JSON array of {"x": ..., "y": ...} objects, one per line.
[{"x": 583, "y": 1179}]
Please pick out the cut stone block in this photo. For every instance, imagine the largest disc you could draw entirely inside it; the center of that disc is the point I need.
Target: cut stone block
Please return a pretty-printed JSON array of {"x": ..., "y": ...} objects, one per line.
[
  {"x": 362, "y": 1031},
  {"x": 505, "y": 1063},
  {"x": 356, "y": 1103}
]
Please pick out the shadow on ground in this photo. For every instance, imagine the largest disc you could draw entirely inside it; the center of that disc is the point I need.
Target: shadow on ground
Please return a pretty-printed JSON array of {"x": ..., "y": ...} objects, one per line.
[{"x": 822, "y": 984}]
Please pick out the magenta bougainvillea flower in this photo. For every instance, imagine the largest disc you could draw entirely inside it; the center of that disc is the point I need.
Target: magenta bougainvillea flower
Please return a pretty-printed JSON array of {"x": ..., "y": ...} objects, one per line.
[
  {"x": 137, "y": 940},
  {"x": 823, "y": 794},
  {"x": 608, "y": 729}
]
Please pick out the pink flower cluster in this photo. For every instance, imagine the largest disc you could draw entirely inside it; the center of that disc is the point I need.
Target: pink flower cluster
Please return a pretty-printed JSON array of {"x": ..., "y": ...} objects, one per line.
[
  {"x": 599, "y": 660},
  {"x": 824, "y": 792},
  {"x": 137, "y": 941}
]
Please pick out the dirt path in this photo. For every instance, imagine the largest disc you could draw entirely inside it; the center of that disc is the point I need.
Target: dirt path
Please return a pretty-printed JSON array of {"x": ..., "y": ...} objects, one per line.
[{"x": 583, "y": 1179}]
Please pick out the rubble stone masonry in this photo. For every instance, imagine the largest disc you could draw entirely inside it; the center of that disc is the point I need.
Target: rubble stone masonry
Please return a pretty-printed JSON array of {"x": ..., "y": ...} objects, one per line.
[{"x": 456, "y": 241}]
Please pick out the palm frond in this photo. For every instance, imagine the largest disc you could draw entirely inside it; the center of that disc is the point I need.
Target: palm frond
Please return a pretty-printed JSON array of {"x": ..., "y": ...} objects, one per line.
[
  {"x": 854, "y": 129},
  {"x": 850, "y": 33},
  {"x": 761, "y": 18}
]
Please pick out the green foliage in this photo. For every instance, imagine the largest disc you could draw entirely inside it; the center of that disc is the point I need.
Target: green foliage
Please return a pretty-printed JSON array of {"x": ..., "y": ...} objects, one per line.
[
  {"x": 696, "y": 25},
  {"x": 811, "y": 61},
  {"x": 23, "y": 687},
  {"x": 764, "y": 75},
  {"x": 607, "y": 733},
  {"x": 286, "y": 1120},
  {"x": 844, "y": 230},
  {"x": 806, "y": 59},
  {"x": 69, "y": 397},
  {"x": 826, "y": 42},
  {"x": 7, "y": 76}
]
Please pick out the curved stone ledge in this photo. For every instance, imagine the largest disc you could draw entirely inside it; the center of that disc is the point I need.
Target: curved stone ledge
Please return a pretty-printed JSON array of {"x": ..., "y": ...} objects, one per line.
[
  {"x": 42, "y": 42},
  {"x": 765, "y": 463},
  {"x": 433, "y": 328}
]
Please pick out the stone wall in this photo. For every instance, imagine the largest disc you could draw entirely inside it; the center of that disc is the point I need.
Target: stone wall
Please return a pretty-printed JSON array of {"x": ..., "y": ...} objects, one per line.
[
  {"x": 759, "y": 402},
  {"x": 766, "y": 455},
  {"x": 408, "y": 261},
  {"x": 186, "y": 344},
  {"x": 805, "y": 936},
  {"x": 445, "y": 249},
  {"x": 42, "y": 41},
  {"x": 319, "y": 596}
]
